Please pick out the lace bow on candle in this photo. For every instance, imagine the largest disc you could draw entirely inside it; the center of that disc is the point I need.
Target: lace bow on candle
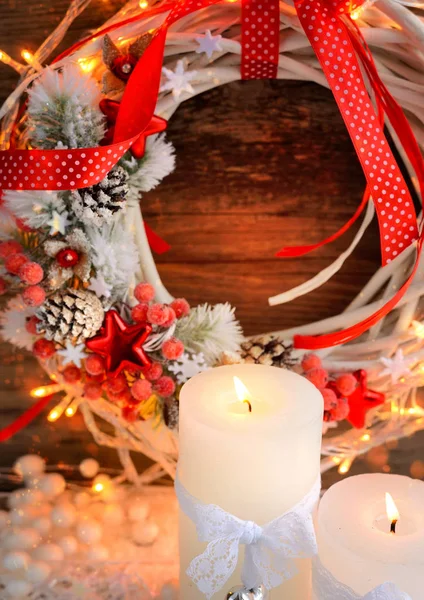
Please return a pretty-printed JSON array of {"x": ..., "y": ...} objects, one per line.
[
  {"x": 269, "y": 550},
  {"x": 327, "y": 587}
]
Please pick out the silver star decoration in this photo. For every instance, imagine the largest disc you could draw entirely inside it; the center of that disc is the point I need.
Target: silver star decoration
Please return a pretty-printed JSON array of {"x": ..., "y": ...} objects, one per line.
[
  {"x": 99, "y": 286},
  {"x": 178, "y": 80},
  {"x": 208, "y": 43},
  {"x": 58, "y": 223},
  {"x": 396, "y": 367},
  {"x": 73, "y": 354}
]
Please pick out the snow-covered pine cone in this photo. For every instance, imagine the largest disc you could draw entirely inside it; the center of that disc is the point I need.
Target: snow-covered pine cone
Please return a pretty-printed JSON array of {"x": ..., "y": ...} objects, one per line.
[
  {"x": 99, "y": 203},
  {"x": 171, "y": 413},
  {"x": 267, "y": 351},
  {"x": 70, "y": 315}
]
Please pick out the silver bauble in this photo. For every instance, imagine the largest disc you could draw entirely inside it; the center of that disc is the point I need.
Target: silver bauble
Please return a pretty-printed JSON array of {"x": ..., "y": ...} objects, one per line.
[{"x": 239, "y": 592}]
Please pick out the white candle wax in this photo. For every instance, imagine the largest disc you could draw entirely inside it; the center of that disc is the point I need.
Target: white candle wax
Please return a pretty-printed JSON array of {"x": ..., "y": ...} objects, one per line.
[
  {"x": 255, "y": 465},
  {"x": 354, "y": 539}
]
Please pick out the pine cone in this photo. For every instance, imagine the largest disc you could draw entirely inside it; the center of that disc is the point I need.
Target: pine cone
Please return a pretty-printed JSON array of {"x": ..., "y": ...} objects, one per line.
[
  {"x": 268, "y": 351},
  {"x": 70, "y": 314},
  {"x": 98, "y": 204},
  {"x": 171, "y": 413}
]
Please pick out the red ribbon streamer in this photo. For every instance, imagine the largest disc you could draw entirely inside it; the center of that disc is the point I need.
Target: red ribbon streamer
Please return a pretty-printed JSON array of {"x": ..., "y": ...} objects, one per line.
[
  {"x": 260, "y": 39},
  {"x": 25, "y": 419}
]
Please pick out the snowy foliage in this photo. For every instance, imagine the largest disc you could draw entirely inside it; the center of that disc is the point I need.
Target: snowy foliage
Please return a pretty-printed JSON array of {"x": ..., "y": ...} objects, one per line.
[
  {"x": 147, "y": 173},
  {"x": 210, "y": 330},
  {"x": 35, "y": 209},
  {"x": 12, "y": 324},
  {"x": 114, "y": 257},
  {"x": 63, "y": 110}
]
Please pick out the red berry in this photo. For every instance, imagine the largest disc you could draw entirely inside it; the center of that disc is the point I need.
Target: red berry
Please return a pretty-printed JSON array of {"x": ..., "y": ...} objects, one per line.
[
  {"x": 31, "y": 325},
  {"x": 141, "y": 390},
  {"x": 341, "y": 411},
  {"x": 153, "y": 372},
  {"x": 165, "y": 386},
  {"x": 319, "y": 377},
  {"x": 172, "y": 349},
  {"x": 34, "y": 296},
  {"x": 130, "y": 414},
  {"x": 71, "y": 374},
  {"x": 31, "y": 273},
  {"x": 14, "y": 262},
  {"x": 330, "y": 398},
  {"x": 181, "y": 307},
  {"x": 67, "y": 257},
  {"x": 311, "y": 361},
  {"x": 144, "y": 292},
  {"x": 94, "y": 365},
  {"x": 92, "y": 390},
  {"x": 139, "y": 312},
  {"x": 346, "y": 384},
  {"x": 3, "y": 286},
  {"x": 43, "y": 348},
  {"x": 158, "y": 314},
  {"x": 171, "y": 318},
  {"x": 115, "y": 385},
  {"x": 10, "y": 247}
]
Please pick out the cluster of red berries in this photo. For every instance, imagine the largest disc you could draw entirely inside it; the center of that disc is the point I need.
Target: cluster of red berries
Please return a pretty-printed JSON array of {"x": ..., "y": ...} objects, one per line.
[
  {"x": 335, "y": 391},
  {"x": 160, "y": 315},
  {"x": 30, "y": 273}
]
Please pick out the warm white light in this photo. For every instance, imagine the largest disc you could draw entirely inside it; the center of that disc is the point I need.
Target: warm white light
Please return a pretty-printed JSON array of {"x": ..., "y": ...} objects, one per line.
[
  {"x": 391, "y": 509},
  {"x": 54, "y": 414},
  {"x": 366, "y": 437},
  {"x": 44, "y": 390},
  {"x": 242, "y": 392},
  {"x": 27, "y": 56},
  {"x": 345, "y": 466},
  {"x": 143, "y": 4},
  {"x": 418, "y": 329}
]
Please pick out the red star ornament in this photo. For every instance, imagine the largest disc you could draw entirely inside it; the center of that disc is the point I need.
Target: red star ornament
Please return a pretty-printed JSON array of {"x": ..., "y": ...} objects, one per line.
[
  {"x": 110, "y": 109},
  {"x": 121, "y": 344},
  {"x": 362, "y": 400}
]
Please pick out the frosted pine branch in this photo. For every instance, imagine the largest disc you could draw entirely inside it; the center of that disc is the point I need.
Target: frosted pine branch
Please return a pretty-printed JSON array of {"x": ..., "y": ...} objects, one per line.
[{"x": 35, "y": 209}]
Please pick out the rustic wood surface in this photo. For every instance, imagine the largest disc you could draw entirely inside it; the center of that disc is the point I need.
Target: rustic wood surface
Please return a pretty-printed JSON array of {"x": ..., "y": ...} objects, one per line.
[{"x": 259, "y": 165}]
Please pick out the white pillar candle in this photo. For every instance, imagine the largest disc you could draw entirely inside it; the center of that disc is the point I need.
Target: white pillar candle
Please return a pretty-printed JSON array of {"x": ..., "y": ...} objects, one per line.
[
  {"x": 255, "y": 465},
  {"x": 354, "y": 539}
]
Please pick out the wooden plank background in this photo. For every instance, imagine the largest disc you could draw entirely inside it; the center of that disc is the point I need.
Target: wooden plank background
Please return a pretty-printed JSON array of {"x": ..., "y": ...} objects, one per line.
[{"x": 259, "y": 165}]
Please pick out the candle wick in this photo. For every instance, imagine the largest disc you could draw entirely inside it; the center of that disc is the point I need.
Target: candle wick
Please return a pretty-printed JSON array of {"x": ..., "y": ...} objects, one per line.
[
  {"x": 393, "y": 527},
  {"x": 248, "y": 404}
]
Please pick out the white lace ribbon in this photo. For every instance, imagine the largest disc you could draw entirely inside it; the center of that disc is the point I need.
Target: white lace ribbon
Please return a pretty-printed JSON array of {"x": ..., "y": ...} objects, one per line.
[
  {"x": 327, "y": 587},
  {"x": 269, "y": 550}
]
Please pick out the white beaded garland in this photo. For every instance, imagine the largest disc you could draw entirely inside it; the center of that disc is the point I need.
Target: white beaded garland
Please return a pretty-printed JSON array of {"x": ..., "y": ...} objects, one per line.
[
  {"x": 17, "y": 588},
  {"x": 49, "y": 552},
  {"x": 4, "y": 519},
  {"x": 89, "y": 468},
  {"x": 14, "y": 561},
  {"x": 32, "y": 497},
  {"x": 64, "y": 515},
  {"x": 22, "y": 515},
  {"x": 52, "y": 484},
  {"x": 113, "y": 514},
  {"x": 98, "y": 553},
  {"x": 42, "y": 524},
  {"x": 29, "y": 465},
  {"x": 21, "y": 539},
  {"x": 69, "y": 544},
  {"x": 15, "y": 499},
  {"x": 37, "y": 572},
  {"x": 139, "y": 511},
  {"x": 144, "y": 533},
  {"x": 82, "y": 499},
  {"x": 89, "y": 532}
]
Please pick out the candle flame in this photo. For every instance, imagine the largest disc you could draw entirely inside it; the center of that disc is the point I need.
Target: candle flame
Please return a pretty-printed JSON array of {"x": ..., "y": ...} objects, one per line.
[
  {"x": 392, "y": 512},
  {"x": 242, "y": 392}
]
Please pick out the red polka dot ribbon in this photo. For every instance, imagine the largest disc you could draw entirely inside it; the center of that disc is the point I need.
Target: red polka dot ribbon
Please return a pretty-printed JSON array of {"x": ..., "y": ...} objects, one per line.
[{"x": 260, "y": 39}]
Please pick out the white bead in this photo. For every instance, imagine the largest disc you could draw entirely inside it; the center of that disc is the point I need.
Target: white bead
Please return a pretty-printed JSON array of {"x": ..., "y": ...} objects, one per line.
[
  {"x": 18, "y": 589},
  {"x": 32, "y": 497},
  {"x": 13, "y": 561},
  {"x": 144, "y": 533},
  {"x": 15, "y": 499},
  {"x": 64, "y": 515},
  {"x": 21, "y": 539},
  {"x": 89, "y": 532},
  {"x": 89, "y": 468},
  {"x": 113, "y": 514},
  {"x": 22, "y": 515},
  {"x": 38, "y": 571},
  {"x": 4, "y": 519},
  {"x": 82, "y": 499},
  {"x": 42, "y": 525},
  {"x": 98, "y": 553},
  {"x": 52, "y": 484},
  {"x": 29, "y": 465},
  {"x": 49, "y": 552},
  {"x": 139, "y": 511},
  {"x": 69, "y": 544}
]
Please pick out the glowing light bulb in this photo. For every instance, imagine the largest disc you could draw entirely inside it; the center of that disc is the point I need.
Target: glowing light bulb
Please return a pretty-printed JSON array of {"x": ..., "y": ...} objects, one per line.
[
  {"x": 54, "y": 414},
  {"x": 418, "y": 329},
  {"x": 143, "y": 4},
  {"x": 366, "y": 437},
  {"x": 345, "y": 466},
  {"x": 354, "y": 15},
  {"x": 87, "y": 65},
  {"x": 44, "y": 390},
  {"x": 27, "y": 56}
]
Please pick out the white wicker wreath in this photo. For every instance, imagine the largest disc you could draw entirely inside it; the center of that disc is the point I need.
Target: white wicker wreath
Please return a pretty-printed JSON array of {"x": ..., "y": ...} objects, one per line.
[{"x": 395, "y": 34}]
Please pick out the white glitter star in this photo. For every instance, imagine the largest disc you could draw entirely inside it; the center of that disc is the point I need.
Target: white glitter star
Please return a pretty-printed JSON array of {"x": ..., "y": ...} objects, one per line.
[
  {"x": 58, "y": 223},
  {"x": 396, "y": 367},
  {"x": 208, "y": 43},
  {"x": 99, "y": 286},
  {"x": 73, "y": 354},
  {"x": 187, "y": 366},
  {"x": 178, "y": 80}
]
